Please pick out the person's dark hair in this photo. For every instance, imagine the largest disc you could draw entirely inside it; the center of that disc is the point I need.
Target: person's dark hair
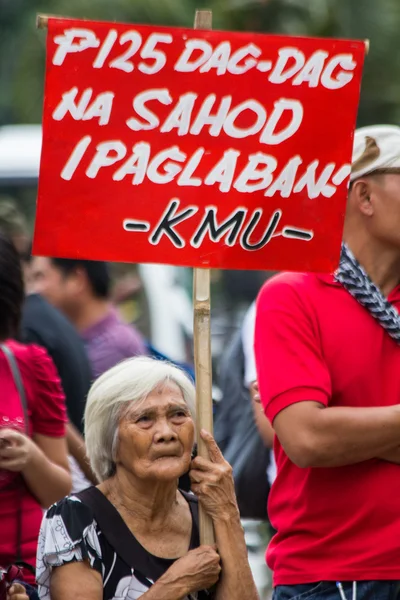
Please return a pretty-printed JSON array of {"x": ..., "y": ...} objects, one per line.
[
  {"x": 11, "y": 289},
  {"x": 26, "y": 256},
  {"x": 97, "y": 273},
  {"x": 12, "y": 220}
]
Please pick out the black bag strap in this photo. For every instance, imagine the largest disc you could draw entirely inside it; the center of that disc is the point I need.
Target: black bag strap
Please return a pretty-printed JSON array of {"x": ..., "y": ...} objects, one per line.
[
  {"x": 194, "y": 509},
  {"x": 115, "y": 530},
  {"x": 12, "y": 363}
]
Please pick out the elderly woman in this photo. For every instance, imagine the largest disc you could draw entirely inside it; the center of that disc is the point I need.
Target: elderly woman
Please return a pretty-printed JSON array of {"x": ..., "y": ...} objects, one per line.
[{"x": 139, "y": 427}]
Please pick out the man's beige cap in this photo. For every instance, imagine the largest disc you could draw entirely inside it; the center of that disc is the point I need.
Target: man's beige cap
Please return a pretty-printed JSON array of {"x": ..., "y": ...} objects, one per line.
[{"x": 375, "y": 147}]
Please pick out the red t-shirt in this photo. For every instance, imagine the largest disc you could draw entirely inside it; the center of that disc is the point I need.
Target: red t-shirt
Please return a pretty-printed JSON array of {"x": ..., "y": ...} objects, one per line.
[
  {"x": 47, "y": 416},
  {"x": 314, "y": 341}
]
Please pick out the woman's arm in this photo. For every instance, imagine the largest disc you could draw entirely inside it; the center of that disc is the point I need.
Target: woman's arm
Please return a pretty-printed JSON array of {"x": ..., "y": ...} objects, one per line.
[
  {"x": 77, "y": 449},
  {"x": 47, "y": 473},
  {"x": 76, "y": 580},
  {"x": 212, "y": 481},
  {"x": 236, "y": 578},
  {"x": 197, "y": 570},
  {"x": 80, "y": 582},
  {"x": 42, "y": 462}
]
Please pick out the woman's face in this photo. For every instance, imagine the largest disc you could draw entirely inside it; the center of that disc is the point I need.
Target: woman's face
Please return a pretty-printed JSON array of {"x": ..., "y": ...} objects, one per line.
[{"x": 156, "y": 436}]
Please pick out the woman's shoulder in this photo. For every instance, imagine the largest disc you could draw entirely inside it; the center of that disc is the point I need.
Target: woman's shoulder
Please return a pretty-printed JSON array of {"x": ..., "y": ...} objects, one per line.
[
  {"x": 33, "y": 360},
  {"x": 43, "y": 390},
  {"x": 69, "y": 532},
  {"x": 25, "y": 352},
  {"x": 70, "y": 522},
  {"x": 73, "y": 509}
]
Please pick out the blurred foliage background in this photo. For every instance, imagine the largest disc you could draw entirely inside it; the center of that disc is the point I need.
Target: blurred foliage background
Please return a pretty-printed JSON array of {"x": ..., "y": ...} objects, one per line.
[{"x": 22, "y": 47}]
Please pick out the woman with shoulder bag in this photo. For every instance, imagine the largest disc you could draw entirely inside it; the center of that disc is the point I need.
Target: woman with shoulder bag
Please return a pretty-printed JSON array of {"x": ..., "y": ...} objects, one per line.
[{"x": 34, "y": 470}]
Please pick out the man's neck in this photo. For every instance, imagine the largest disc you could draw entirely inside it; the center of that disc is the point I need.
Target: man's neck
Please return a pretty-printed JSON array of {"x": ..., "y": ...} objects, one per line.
[
  {"x": 91, "y": 312},
  {"x": 382, "y": 264}
]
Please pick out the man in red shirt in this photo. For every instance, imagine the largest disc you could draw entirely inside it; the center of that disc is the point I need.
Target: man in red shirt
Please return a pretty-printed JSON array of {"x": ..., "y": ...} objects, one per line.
[{"x": 328, "y": 364}]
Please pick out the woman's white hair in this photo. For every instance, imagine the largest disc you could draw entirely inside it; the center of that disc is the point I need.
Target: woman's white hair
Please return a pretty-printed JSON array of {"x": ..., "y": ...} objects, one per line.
[{"x": 129, "y": 381}]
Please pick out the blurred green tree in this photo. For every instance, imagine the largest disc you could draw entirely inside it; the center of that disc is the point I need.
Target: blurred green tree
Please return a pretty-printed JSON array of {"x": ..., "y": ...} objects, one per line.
[
  {"x": 377, "y": 21},
  {"x": 22, "y": 46}
]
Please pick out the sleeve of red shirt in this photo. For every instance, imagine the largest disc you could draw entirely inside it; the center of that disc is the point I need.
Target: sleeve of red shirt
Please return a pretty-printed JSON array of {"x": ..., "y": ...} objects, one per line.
[
  {"x": 290, "y": 364},
  {"x": 49, "y": 415}
]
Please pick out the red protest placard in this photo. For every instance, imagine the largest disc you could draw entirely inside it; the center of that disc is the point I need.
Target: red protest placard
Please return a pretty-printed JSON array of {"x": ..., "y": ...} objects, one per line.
[{"x": 199, "y": 148}]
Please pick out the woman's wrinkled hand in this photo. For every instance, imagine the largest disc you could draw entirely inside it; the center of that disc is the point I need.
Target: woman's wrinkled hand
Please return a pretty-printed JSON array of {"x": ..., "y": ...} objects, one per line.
[
  {"x": 198, "y": 570},
  {"x": 212, "y": 482},
  {"x": 16, "y": 450},
  {"x": 17, "y": 592}
]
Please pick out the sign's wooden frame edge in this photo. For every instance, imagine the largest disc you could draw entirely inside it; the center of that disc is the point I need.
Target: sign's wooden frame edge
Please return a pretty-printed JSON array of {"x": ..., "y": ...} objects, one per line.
[{"x": 43, "y": 20}]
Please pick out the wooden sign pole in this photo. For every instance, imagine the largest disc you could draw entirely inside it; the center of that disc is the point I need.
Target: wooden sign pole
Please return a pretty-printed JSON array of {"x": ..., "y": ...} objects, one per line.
[
  {"x": 203, "y": 369},
  {"x": 202, "y": 346}
]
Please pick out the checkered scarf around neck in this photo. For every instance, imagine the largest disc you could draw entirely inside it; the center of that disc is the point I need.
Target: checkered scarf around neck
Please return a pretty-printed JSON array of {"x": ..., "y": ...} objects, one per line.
[{"x": 356, "y": 281}]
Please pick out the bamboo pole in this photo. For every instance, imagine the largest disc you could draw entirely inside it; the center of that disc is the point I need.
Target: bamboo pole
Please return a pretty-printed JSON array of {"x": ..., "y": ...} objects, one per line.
[
  {"x": 202, "y": 359},
  {"x": 42, "y": 21},
  {"x": 202, "y": 346}
]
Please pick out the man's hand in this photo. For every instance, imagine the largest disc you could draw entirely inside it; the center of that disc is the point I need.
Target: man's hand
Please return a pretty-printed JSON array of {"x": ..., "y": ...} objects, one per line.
[
  {"x": 264, "y": 427},
  {"x": 255, "y": 392}
]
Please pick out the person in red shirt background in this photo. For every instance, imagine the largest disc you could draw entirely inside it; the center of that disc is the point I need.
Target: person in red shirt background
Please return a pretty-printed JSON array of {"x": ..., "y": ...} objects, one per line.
[
  {"x": 328, "y": 365},
  {"x": 34, "y": 470}
]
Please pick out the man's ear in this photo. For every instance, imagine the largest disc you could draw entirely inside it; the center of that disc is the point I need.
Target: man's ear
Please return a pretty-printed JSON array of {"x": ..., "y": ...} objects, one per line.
[
  {"x": 80, "y": 278},
  {"x": 361, "y": 193}
]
